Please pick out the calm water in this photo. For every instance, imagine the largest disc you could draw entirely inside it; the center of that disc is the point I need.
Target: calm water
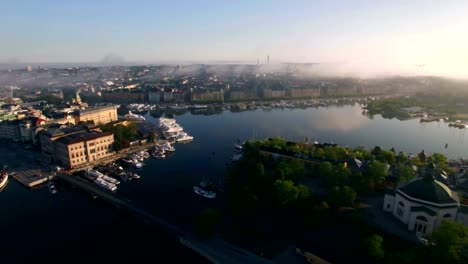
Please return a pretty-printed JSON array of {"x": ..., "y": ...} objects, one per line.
[{"x": 37, "y": 225}]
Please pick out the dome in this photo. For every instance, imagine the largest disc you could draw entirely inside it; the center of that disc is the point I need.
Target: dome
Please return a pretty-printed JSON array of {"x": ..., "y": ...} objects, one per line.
[{"x": 430, "y": 190}]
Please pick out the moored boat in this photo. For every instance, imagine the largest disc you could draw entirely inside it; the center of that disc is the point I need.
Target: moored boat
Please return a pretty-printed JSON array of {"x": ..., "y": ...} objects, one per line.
[
  {"x": 3, "y": 178},
  {"x": 204, "y": 193},
  {"x": 52, "y": 188}
]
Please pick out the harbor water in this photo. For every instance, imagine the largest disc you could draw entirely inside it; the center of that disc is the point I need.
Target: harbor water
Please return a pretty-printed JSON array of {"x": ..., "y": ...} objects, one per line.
[{"x": 72, "y": 225}]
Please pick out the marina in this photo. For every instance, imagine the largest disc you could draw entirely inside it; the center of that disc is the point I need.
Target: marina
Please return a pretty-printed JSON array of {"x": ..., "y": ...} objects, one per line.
[{"x": 176, "y": 176}]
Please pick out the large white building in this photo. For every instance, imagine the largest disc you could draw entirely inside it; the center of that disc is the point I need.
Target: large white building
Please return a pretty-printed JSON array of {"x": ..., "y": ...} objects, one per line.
[{"x": 423, "y": 203}]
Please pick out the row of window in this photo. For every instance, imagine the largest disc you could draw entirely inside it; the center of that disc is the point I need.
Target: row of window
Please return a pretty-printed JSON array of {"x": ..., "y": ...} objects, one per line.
[{"x": 74, "y": 161}]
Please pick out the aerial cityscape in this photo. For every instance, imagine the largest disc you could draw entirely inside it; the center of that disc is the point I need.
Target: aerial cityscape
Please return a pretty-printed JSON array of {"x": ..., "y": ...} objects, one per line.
[{"x": 185, "y": 135}]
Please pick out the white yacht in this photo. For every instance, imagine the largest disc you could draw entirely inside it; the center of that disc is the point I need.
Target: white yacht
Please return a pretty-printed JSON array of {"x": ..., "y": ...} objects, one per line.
[
  {"x": 171, "y": 128},
  {"x": 183, "y": 137},
  {"x": 167, "y": 147},
  {"x": 144, "y": 154},
  {"x": 137, "y": 164},
  {"x": 133, "y": 175},
  {"x": 196, "y": 106},
  {"x": 110, "y": 179},
  {"x": 132, "y": 116},
  {"x": 177, "y": 107},
  {"x": 166, "y": 121},
  {"x": 106, "y": 185},
  {"x": 94, "y": 174},
  {"x": 129, "y": 161}
]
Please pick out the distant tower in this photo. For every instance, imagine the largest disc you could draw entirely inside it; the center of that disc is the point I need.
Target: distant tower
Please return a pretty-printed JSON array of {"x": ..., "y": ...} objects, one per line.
[
  {"x": 268, "y": 59},
  {"x": 258, "y": 61},
  {"x": 29, "y": 68}
]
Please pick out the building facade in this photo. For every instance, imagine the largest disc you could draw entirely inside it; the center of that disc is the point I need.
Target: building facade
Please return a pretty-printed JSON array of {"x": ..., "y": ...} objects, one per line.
[
  {"x": 81, "y": 148},
  {"x": 242, "y": 95},
  {"x": 100, "y": 115},
  {"x": 303, "y": 92},
  {"x": 270, "y": 93},
  {"x": 423, "y": 203},
  {"x": 207, "y": 96}
]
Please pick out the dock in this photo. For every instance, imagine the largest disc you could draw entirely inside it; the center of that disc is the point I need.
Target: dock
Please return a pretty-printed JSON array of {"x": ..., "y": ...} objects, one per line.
[{"x": 30, "y": 177}]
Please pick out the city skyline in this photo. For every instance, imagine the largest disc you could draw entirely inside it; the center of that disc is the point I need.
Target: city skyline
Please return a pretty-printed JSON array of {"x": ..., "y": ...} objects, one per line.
[{"x": 361, "y": 37}]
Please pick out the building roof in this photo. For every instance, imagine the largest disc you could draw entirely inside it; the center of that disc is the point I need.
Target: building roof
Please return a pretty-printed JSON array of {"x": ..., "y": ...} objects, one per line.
[
  {"x": 81, "y": 137},
  {"x": 423, "y": 209},
  {"x": 94, "y": 109},
  {"x": 428, "y": 189}
]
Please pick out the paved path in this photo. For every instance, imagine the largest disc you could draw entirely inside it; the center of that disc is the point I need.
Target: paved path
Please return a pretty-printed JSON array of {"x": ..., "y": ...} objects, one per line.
[{"x": 387, "y": 221}]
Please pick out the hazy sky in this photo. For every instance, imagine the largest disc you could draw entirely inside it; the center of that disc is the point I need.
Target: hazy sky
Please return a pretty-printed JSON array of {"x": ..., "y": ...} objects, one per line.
[{"x": 377, "y": 35}]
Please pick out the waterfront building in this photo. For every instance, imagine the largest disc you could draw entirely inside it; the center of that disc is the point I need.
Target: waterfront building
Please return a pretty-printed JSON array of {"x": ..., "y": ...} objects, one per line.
[
  {"x": 206, "y": 96},
  {"x": 271, "y": 93},
  {"x": 99, "y": 115},
  {"x": 154, "y": 96},
  {"x": 422, "y": 203},
  {"x": 242, "y": 94},
  {"x": 81, "y": 148},
  {"x": 303, "y": 92}
]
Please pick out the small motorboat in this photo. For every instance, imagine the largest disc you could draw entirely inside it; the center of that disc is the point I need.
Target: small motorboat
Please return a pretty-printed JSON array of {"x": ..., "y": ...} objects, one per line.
[{"x": 52, "y": 188}]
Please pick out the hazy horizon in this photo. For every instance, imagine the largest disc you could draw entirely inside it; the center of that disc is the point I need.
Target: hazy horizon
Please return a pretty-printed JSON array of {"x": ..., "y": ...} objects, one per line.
[{"x": 359, "y": 38}]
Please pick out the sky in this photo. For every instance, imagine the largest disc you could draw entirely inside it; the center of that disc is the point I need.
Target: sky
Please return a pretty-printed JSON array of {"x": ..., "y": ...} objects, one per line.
[{"x": 417, "y": 36}]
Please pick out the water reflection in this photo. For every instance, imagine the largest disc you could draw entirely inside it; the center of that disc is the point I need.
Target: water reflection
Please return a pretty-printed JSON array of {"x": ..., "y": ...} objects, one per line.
[{"x": 339, "y": 119}]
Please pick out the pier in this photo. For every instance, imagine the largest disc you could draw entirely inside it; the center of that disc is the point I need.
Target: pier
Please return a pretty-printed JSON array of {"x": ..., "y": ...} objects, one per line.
[{"x": 30, "y": 177}]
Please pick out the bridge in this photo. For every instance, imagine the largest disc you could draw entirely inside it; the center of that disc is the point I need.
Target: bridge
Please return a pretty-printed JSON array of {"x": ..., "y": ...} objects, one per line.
[
  {"x": 119, "y": 202},
  {"x": 215, "y": 250}
]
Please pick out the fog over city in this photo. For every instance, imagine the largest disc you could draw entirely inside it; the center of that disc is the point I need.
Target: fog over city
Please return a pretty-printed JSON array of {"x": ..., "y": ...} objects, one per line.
[{"x": 361, "y": 39}]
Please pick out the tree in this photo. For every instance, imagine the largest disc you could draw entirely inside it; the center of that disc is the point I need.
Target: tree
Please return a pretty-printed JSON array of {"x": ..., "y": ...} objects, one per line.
[
  {"x": 325, "y": 170},
  {"x": 286, "y": 191},
  {"x": 303, "y": 191},
  {"x": 448, "y": 240},
  {"x": 374, "y": 246},
  {"x": 404, "y": 172},
  {"x": 341, "y": 196},
  {"x": 401, "y": 157},
  {"x": 439, "y": 160},
  {"x": 375, "y": 173},
  {"x": 259, "y": 169},
  {"x": 386, "y": 156}
]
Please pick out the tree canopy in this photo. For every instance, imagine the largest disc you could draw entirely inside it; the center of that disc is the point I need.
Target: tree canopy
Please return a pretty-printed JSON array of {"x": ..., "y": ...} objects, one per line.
[{"x": 449, "y": 242}]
